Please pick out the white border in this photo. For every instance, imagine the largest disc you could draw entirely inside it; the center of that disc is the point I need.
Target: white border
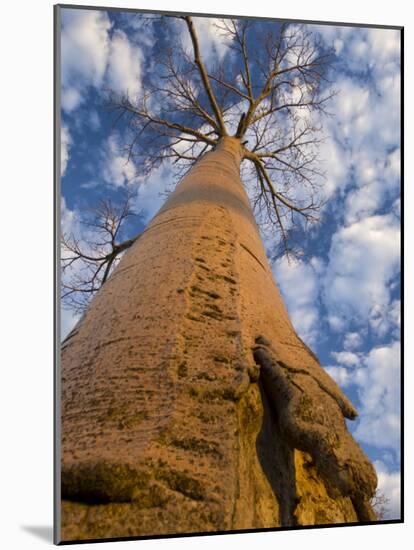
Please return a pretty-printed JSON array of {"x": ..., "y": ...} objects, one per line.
[{"x": 26, "y": 204}]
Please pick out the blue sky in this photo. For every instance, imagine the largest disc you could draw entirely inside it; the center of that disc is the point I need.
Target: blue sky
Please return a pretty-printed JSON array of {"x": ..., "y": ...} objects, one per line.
[{"x": 343, "y": 295}]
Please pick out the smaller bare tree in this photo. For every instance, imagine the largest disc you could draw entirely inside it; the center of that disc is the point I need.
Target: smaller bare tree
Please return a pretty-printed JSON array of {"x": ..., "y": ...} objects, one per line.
[
  {"x": 380, "y": 503},
  {"x": 87, "y": 262}
]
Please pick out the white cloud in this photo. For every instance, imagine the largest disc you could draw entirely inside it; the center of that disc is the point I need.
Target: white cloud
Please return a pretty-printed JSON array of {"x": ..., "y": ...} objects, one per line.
[
  {"x": 124, "y": 65},
  {"x": 362, "y": 162},
  {"x": 94, "y": 120},
  {"x": 351, "y": 106},
  {"x": 85, "y": 47},
  {"x": 393, "y": 166},
  {"x": 389, "y": 484},
  {"x": 212, "y": 43},
  {"x": 384, "y": 320},
  {"x": 383, "y": 45},
  {"x": 341, "y": 375},
  {"x": 70, "y": 99},
  {"x": 345, "y": 373},
  {"x": 92, "y": 57},
  {"x": 376, "y": 378},
  {"x": 65, "y": 143},
  {"x": 338, "y": 44},
  {"x": 365, "y": 126},
  {"x": 346, "y": 358},
  {"x": 376, "y": 176},
  {"x": 152, "y": 192},
  {"x": 363, "y": 202},
  {"x": 68, "y": 320},
  {"x": 396, "y": 208},
  {"x": 379, "y": 391},
  {"x": 363, "y": 259},
  {"x": 330, "y": 34},
  {"x": 300, "y": 287},
  {"x": 118, "y": 169},
  {"x": 352, "y": 340},
  {"x": 361, "y": 48},
  {"x": 367, "y": 115},
  {"x": 336, "y": 162},
  {"x": 395, "y": 315},
  {"x": 68, "y": 223},
  {"x": 336, "y": 323}
]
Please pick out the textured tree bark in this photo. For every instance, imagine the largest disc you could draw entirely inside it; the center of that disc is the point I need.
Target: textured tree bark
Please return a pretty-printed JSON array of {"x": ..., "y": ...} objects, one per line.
[{"x": 189, "y": 404}]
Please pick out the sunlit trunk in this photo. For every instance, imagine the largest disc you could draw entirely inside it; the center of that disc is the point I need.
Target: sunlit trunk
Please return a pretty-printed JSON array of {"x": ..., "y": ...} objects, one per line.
[{"x": 172, "y": 417}]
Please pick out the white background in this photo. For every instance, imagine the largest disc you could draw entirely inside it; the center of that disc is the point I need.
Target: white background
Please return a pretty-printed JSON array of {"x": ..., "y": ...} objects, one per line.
[{"x": 26, "y": 286}]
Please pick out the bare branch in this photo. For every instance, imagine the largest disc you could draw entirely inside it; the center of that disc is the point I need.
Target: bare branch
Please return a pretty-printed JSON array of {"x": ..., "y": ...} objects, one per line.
[
  {"x": 127, "y": 106},
  {"x": 204, "y": 76},
  {"x": 88, "y": 262}
]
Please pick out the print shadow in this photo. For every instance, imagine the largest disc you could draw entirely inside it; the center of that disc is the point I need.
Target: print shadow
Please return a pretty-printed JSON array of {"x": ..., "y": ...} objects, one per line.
[{"x": 43, "y": 532}]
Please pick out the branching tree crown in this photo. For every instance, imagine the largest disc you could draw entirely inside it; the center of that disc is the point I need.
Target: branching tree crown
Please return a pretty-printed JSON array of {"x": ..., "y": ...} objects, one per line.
[{"x": 265, "y": 93}]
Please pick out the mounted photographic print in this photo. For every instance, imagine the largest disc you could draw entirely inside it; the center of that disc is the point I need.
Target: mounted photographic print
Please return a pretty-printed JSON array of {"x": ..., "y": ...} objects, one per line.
[{"x": 228, "y": 274}]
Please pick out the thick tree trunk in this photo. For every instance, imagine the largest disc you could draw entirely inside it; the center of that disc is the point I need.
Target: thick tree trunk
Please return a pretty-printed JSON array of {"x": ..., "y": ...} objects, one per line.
[{"x": 189, "y": 404}]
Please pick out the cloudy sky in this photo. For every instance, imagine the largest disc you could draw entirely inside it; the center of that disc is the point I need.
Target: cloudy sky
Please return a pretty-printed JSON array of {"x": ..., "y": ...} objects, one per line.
[{"x": 344, "y": 294}]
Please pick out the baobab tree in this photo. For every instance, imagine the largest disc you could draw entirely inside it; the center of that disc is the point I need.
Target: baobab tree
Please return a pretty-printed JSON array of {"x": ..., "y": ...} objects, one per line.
[{"x": 189, "y": 403}]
